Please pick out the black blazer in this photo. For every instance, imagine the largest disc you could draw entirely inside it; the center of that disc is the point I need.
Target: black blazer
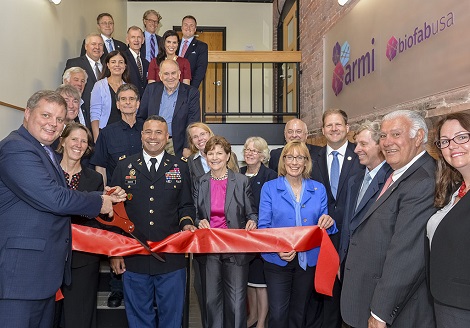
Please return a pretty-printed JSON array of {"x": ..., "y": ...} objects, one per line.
[
  {"x": 336, "y": 207},
  {"x": 239, "y": 206},
  {"x": 85, "y": 64},
  {"x": 187, "y": 110},
  {"x": 134, "y": 74},
  {"x": 256, "y": 183},
  {"x": 276, "y": 154},
  {"x": 197, "y": 54},
  {"x": 118, "y": 45},
  {"x": 89, "y": 181},
  {"x": 449, "y": 265}
]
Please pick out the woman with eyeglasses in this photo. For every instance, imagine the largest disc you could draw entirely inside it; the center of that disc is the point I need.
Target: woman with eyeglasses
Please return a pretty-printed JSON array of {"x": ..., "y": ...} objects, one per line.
[
  {"x": 256, "y": 156},
  {"x": 448, "y": 230},
  {"x": 224, "y": 201},
  {"x": 72, "y": 98},
  {"x": 167, "y": 48},
  {"x": 292, "y": 200}
]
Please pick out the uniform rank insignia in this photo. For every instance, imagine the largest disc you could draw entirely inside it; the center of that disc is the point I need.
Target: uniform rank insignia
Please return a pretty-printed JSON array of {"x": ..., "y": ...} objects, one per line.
[{"x": 122, "y": 157}]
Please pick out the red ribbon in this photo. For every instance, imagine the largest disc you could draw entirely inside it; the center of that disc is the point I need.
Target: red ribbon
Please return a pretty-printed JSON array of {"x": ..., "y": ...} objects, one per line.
[{"x": 99, "y": 241}]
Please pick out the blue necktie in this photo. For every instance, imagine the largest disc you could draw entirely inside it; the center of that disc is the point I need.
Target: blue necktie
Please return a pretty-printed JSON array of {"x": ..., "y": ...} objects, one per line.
[
  {"x": 51, "y": 155},
  {"x": 110, "y": 45},
  {"x": 365, "y": 185},
  {"x": 334, "y": 173}
]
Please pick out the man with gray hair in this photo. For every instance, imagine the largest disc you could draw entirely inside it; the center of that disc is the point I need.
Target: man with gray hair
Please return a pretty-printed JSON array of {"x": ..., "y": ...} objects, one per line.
[
  {"x": 364, "y": 186},
  {"x": 384, "y": 275},
  {"x": 77, "y": 77},
  {"x": 91, "y": 64}
]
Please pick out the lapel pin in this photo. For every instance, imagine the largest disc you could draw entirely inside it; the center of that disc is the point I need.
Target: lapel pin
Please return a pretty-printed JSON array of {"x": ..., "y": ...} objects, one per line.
[
  {"x": 122, "y": 157},
  {"x": 349, "y": 158},
  {"x": 129, "y": 166}
]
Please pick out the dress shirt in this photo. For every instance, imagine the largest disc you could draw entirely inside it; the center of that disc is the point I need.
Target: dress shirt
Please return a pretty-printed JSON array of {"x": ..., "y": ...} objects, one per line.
[
  {"x": 373, "y": 173},
  {"x": 92, "y": 64},
  {"x": 148, "y": 36},
  {"x": 182, "y": 43},
  {"x": 436, "y": 219},
  {"x": 81, "y": 118},
  {"x": 329, "y": 159},
  {"x": 205, "y": 166},
  {"x": 147, "y": 161},
  {"x": 167, "y": 107},
  {"x": 106, "y": 43}
]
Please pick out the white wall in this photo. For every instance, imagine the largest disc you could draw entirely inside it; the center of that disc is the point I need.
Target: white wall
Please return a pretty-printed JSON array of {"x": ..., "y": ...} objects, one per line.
[
  {"x": 246, "y": 23},
  {"x": 37, "y": 38}
]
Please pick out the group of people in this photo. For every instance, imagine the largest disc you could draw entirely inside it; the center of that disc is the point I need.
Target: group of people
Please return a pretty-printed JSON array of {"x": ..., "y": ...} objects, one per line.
[{"x": 395, "y": 217}]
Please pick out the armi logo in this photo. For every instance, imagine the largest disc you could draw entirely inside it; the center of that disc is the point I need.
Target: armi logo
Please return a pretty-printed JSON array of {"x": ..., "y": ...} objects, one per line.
[
  {"x": 346, "y": 71},
  {"x": 419, "y": 35}
]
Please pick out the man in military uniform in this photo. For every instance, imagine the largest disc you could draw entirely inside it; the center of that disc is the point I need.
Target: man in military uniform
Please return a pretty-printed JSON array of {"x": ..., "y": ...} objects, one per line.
[{"x": 159, "y": 203}]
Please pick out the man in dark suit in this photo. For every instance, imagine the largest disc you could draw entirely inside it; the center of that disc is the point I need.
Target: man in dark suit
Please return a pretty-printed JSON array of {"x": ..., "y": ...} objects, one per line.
[
  {"x": 178, "y": 103},
  {"x": 90, "y": 62},
  {"x": 364, "y": 187},
  {"x": 384, "y": 277},
  {"x": 335, "y": 164},
  {"x": 161, "y": 204},
  {"x": 35, "y": 203},
  {"x": 193, "y": 50},
  {"x": 137, "y": 65},
  {"x": 151, "y": 20},
  {"x": 105, "y": 23},
  {"x": 295, "y": 129}
]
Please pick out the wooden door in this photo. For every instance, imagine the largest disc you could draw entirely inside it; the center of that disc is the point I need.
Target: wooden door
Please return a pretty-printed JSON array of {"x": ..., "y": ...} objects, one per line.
[
  {"x": 289, "y": 70},
  {"x": 214, "y": 81}
]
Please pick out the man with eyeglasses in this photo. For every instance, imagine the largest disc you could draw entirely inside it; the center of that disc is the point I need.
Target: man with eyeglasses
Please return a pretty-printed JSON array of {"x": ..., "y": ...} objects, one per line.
[
  {"x": 335, "y": 163},
  {"x": 105, "y": 24},
  {"x": 151, "y": 19},
  {"x": 384, "y": 282},
  {"x": 295, "y": 129}
]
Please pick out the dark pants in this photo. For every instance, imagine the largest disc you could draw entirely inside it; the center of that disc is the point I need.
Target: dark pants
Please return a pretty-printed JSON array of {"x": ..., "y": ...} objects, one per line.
[
  {"x": 27, "y": 314},
  {"x": 166, "y": 290},
  {"x": 199, "y": 275},
  {"x": 225, "y": 285},
  {"x": 328, "y": 315},
  {"x": 289, "y": 289}
]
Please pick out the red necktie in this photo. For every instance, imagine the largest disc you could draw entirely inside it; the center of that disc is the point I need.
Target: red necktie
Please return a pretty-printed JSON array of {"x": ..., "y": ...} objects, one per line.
[
  {"x": 185, "y": 47},
  {"x": 386, "y": 185}
]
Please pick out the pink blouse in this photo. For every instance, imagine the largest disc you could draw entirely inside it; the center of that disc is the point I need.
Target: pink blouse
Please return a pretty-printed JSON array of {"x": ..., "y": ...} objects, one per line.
[{"x": 218, "y": 193}]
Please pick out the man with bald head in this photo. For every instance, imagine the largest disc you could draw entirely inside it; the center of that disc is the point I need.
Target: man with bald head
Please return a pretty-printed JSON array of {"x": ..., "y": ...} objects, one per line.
[
  {"x": 176, "y": 102},
  {"x": 295, "y": 129}
]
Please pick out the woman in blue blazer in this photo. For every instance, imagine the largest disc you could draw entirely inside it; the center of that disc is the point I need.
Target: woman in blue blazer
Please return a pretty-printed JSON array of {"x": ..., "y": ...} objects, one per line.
[{"x": 289, "y": 201}]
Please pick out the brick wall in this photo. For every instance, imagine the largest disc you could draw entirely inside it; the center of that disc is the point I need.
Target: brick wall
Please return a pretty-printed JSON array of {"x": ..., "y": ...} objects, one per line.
[{"x": 316, "y": 17}]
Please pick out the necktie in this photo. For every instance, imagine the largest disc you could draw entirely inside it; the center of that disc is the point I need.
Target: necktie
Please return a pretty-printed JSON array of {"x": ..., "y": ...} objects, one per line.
[
  {"x": 110, "y": 45},
  {"x": 386, "y": 185},
  {"x": 185, "y": 47},
  {"x": 334, "y": 173},
  {"x": 50, "y": 153},
  {"x": 97, "y": 71},
  {"x": 153, "y": 170},
  {"x": 152, "y": 46},
  {"x": 365, "y": 185},
  {"x": 139, "y": 66}
]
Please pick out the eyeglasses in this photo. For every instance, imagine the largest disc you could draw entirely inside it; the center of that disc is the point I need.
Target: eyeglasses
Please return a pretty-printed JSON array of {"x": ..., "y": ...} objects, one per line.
[
  {"x": 199, "y": 136},
  {"x": 253, "y": 151},
  {"x": 460, "y": 139},
  {"x": 152, "y": 21},
  {"x": 299, "y": 159}
]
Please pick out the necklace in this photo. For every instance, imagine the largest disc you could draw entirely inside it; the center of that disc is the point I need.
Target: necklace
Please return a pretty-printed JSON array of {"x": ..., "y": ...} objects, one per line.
[
  {"x": 225, "y": 176},
  {"x": 462, "y": 190}
]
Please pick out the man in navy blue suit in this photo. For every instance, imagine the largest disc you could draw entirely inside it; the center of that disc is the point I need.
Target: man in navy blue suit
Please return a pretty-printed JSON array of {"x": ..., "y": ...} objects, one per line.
[
  {"x": 35, "y": 209},
  {"x": 176, "y": 102},
  {"x": 364, "y": 187},
  {"x": 193, "y": 50},
  {"x": 136, "y": 63}
]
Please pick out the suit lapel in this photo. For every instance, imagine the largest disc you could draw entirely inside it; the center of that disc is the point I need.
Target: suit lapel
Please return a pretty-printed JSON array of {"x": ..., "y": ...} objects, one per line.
[
  {"x": 205, "y": 193},
  {"x": 416, "y": 165},
  {"x": 349, "y": 158},
  {"x": 157, "y": 98},
  {"x": 231, "y": 182},
  {"x": 141, "y": 166},
  {"x": 181, "y": 97},
  {"x": 165, "y": 166},
  {"x": 199, "y": 168},
  {"x": 322, "y": 164}
]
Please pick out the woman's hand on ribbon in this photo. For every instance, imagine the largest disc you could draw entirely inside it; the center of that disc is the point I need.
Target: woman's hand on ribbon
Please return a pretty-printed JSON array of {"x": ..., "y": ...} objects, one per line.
[
  {"x": 204, "y": 224},
  {"x": 287, "y": 256},
  {"x": 250, "y": 225},
  {"x": 325, "y": 221}
]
